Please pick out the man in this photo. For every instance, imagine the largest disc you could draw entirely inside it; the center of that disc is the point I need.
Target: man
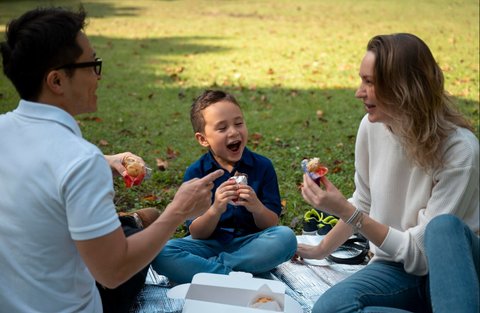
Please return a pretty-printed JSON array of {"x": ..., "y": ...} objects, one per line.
[{"x": 58, "y": 224}]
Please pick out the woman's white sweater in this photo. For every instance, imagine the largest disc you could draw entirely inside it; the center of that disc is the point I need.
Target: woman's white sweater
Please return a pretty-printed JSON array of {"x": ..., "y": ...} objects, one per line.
[{"x": 395, "y": 192}]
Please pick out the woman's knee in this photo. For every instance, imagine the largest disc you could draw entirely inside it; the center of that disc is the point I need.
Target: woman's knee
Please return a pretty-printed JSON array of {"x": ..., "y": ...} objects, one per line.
[
  {"x": 333, "y": 300},
  {"x": 445, "y": 225},
  {"x": 443, "y": 222}
]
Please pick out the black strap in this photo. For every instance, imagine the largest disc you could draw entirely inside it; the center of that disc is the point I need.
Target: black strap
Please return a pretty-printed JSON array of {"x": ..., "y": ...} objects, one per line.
[{"x": 358, "y": 243}]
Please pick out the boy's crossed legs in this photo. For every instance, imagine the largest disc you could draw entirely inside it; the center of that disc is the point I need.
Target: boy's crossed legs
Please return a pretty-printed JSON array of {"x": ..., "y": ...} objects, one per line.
[{"x": 256, "y": 253}]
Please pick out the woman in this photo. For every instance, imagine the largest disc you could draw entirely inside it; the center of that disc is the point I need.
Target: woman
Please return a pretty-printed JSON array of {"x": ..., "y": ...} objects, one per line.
[{"x": 415, "y": 158}]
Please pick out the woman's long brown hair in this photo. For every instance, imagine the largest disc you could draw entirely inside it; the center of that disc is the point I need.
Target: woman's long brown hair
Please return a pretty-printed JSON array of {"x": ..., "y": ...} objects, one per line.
[{"x": 410, "y": 85}]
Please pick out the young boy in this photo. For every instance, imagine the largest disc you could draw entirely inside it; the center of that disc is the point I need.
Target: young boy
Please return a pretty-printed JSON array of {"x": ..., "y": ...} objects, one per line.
[{"x": 243, "y": 236}]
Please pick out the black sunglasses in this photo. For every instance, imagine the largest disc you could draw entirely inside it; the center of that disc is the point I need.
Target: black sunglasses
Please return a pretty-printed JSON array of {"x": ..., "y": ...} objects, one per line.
[{"x": 97, "y": 65}]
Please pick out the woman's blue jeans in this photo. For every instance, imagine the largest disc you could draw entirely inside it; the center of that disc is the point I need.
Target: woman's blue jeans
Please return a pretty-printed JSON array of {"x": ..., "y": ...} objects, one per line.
[
  {"x": 257, "y": 253},
  {"x": 453, "y": 258},
  {"x": 452, "y": 251}
]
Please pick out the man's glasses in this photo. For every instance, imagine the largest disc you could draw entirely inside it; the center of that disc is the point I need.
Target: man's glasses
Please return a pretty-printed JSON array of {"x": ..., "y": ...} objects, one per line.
[{"x": 97, "y": 65}]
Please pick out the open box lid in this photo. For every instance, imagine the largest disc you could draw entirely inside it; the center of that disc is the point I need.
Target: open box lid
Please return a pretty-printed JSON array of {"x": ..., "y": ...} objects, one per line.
[{"x": 232, "y": 293}]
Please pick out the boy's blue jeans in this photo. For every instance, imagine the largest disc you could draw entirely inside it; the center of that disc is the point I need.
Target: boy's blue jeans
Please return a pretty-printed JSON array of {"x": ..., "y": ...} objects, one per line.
[
  {"x": 182, "y": 258},
  {"x": 452, "y": 285}
]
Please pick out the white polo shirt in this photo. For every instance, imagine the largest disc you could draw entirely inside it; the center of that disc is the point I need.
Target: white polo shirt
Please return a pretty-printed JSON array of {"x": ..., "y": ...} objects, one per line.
[{"x": 55, "y": 187}]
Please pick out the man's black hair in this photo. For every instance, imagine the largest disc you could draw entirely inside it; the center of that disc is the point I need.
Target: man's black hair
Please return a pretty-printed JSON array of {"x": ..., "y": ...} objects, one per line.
[{"x": 38, "y": 41}]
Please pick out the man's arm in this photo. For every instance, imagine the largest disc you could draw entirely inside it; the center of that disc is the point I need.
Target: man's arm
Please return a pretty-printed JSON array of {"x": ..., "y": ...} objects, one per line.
[{"x": 112, "y": 259}]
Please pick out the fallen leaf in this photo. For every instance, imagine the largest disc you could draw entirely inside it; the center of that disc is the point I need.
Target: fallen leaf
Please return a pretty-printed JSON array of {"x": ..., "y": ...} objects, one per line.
[
  {"x": 256, "y": 136},
  {"x": 150, "y": 198},
  {"x": 295, "y": 221},
  {"x": 171, "y": 154},
  {"x": 103, "y": 143},
  {"x": 162, "y": 165},
  {"x": 336, "y": 169}
]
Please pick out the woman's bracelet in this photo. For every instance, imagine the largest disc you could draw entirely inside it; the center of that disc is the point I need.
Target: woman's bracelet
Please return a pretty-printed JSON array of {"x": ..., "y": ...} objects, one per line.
[
  {"x": 353, "y": 217},
  {"x": 356, "y": 220},
  {"x": 358, "y": 223}
]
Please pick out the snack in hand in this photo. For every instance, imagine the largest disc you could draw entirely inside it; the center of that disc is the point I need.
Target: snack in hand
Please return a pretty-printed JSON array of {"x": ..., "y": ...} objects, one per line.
[
  {"x": 135, "y": 171},
  {"x": 314, "y": 169},
  {"x": 241, "y": 179}
]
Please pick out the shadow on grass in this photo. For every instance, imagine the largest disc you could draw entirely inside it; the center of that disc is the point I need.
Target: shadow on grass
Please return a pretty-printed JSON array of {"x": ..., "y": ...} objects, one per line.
[
  {"x": 144, "y": 99},
  {"x": 145, "y": 104},
  {"x": 95, "y": 9}
]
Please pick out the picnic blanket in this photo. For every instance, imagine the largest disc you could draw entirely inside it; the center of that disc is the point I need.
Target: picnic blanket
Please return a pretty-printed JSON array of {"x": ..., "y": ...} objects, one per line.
[{"x": 305, "y": 282}]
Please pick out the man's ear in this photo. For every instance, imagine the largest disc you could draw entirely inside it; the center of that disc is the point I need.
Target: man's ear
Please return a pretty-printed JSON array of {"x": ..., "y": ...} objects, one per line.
[
  {"x": 54, "y": 82},
  {"x": 202, "y": 140}
]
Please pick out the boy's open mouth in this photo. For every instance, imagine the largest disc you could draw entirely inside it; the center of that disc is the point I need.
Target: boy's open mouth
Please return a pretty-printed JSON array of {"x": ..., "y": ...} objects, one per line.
[{"x": 234, "y": 146}]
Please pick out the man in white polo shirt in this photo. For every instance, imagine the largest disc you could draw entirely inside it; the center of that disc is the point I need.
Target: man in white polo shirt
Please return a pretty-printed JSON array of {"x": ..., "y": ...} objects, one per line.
[{"x": 58, "y": 225}]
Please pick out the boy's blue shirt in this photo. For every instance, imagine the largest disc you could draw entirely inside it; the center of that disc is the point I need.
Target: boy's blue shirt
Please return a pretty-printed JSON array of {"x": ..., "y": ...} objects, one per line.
[{"x": 237, "y": 221}]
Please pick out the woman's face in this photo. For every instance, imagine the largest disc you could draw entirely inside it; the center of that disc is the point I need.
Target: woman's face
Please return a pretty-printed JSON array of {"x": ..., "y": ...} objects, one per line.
[{"x": 366, "y": 91}]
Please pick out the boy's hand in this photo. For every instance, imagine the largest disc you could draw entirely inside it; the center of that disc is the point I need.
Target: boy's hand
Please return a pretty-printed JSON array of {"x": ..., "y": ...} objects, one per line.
[
  {"x": 248, "y": 198},
  {"x": 226, "y": 192},
  {"x": 194, "y": 196}
]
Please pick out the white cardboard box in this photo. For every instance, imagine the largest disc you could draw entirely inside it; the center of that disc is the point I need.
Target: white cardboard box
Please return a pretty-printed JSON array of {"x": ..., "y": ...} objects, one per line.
[{"x": 233, "y": 293}]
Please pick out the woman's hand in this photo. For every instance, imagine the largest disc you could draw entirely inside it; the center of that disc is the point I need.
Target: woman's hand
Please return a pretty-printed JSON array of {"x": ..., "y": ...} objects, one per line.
[
  {"x": 309, "y": 252},
  {"x": 330, "y": 199}
]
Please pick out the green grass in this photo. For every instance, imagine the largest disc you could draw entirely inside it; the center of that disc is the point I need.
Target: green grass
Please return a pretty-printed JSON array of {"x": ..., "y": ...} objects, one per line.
[{"x": 283, "y": 60}]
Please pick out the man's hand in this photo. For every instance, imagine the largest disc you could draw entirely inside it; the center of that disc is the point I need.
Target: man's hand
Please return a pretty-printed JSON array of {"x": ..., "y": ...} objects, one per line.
[
  {"x": 116, "y": 162},
  {"x": 193, "y": 197}
]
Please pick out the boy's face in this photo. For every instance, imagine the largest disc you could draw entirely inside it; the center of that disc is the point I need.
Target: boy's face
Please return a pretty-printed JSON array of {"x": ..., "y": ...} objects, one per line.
[{"x": 225, "y": 133}]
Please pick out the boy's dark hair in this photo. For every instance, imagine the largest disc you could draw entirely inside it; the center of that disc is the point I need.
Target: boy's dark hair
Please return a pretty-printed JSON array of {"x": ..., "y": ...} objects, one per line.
[
  {"x": 38, "y": 41},
  {"x": 207, "y": 98}
]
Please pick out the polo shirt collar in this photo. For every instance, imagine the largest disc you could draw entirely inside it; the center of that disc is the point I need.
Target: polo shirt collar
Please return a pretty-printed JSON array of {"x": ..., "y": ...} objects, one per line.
[
  {"x": 211, "y": 163},
  {"x": 41, "y": 111}
]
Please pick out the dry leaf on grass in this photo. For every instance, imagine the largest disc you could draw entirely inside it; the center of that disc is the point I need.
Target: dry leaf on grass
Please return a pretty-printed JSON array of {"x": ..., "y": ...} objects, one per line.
[{"x": 162, "y": 165}]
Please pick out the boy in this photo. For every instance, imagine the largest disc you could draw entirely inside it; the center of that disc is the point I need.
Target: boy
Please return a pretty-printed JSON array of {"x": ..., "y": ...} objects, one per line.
[{"x": 229, "y": 237}]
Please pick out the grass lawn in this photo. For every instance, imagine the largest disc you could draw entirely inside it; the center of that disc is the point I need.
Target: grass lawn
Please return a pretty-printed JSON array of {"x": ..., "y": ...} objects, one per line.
[{"x": 283, "y": 60}]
